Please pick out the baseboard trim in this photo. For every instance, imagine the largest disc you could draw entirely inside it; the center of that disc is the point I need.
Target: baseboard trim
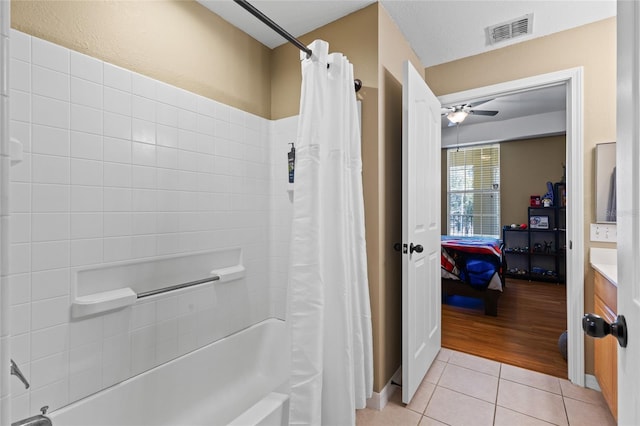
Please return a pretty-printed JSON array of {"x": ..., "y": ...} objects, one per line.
[
  {"x": 591, "y": 382},
  {"x": 379, "y": 400}
]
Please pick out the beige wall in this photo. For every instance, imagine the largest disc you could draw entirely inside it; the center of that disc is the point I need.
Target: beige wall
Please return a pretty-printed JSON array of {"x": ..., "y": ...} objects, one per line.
[
  {"x": 525, "y": 168},
  {"x": 207, "y": 55},
  {"x": 592, "y": 47},
  {"x": 355, "y": 35}
]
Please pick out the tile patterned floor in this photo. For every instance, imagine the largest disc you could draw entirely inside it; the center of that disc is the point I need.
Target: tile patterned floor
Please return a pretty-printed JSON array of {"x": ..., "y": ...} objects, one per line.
[{"x": 462, "y": 389}]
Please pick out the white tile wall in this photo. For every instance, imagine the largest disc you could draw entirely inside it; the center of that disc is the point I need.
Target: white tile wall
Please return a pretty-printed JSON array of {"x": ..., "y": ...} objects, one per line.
[
  {"x": 5, "y": 285},
  {"x": 118, "y": 166},
  {"x": 283, "y": 132}
]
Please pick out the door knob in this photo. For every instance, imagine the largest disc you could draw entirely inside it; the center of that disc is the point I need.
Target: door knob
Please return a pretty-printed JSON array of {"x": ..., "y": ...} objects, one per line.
[
  {"x": 596, "y": 326},
  {"x": 397, "y": 247},
  {"x": 416, "y": 248}
]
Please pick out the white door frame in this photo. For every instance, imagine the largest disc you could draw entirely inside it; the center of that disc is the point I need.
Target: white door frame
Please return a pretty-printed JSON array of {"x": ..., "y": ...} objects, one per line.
[{"x": 573, "y": 79}]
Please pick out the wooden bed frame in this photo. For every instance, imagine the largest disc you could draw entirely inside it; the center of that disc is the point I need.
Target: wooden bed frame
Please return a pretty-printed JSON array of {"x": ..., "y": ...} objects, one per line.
[{"x": 459, "y": 288}]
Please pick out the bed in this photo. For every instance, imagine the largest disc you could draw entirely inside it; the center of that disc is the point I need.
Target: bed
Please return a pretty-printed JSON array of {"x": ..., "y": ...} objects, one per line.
[{"x": 473, "y": 267}]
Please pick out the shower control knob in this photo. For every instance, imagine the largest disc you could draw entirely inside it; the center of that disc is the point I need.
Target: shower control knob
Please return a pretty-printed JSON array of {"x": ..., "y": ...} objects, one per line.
[{"x": 416, "y": 248}]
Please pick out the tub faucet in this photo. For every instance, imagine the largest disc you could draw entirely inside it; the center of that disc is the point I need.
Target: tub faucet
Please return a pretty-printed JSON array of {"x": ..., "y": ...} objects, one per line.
[
  {"x": 37, "y": 420},
  {"x": 15, "y": 371}
]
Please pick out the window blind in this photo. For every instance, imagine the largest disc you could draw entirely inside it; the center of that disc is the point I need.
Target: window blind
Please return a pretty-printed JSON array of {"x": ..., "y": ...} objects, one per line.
[{"x": 473, "y": 190}]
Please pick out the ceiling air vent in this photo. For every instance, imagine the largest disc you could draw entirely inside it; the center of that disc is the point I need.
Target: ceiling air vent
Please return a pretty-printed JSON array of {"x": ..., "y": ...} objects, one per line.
[{"x": 512, "y": 29}]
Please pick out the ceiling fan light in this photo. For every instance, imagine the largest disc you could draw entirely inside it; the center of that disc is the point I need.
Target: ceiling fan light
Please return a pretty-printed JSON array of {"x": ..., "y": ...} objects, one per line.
[{"x": 457, "y": 117}]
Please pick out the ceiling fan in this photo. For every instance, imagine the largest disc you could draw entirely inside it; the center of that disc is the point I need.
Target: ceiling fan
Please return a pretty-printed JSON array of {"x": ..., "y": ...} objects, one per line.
[{"x": 457, "y": 113}]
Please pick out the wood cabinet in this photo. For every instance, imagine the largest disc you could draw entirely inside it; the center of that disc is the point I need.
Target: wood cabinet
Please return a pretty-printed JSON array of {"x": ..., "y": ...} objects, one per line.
[{"x": 606, "y": 349}]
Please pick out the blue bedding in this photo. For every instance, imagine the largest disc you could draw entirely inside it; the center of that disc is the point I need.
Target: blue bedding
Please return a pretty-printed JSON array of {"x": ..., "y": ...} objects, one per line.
[{"x": 476, "y": 261}]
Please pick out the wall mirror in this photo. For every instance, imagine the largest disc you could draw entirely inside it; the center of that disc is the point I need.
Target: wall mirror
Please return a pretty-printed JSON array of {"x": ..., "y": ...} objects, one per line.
[{"x": 605, "y": 182}]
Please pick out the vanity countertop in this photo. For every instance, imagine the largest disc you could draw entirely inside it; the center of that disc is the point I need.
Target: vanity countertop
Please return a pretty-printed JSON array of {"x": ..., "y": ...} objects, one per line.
[{"x": 605, "y": 261}]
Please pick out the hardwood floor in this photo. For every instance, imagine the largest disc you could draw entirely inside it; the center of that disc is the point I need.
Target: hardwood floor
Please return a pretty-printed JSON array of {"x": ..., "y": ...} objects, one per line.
[{"x": 531, "y": 317}]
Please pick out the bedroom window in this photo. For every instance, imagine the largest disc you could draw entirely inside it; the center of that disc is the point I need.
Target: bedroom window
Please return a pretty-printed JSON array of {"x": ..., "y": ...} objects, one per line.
[{"x": 473, "y": 191}]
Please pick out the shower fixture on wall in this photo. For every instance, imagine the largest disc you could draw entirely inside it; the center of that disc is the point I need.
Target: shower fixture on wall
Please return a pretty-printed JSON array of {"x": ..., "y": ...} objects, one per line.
[{"x": 277, "y": 28}]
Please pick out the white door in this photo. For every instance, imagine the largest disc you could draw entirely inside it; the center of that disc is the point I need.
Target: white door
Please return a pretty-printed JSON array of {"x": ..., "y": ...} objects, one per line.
[
  {"x": 420, "y": 230},
  {"x": 628, "y": 178}
]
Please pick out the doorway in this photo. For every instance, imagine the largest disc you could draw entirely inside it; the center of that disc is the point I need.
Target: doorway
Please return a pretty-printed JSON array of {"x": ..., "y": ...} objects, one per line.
[
  {"x": 509, "y": 148},
  {"x": 572, "y": 79}
]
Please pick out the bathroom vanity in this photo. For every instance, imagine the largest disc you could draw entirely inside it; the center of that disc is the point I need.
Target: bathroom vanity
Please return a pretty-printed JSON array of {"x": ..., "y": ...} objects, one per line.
[{"x": 605, "y": 304}]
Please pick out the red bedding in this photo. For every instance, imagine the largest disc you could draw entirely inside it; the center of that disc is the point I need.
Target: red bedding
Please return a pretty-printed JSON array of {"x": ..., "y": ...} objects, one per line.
[{"x": 474, "y": 260}]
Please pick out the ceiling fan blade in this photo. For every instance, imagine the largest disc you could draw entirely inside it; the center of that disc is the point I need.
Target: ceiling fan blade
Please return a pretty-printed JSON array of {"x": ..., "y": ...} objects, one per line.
[
  {"x": 483, "y": 112},
  {"x": 478, "y": 103}
]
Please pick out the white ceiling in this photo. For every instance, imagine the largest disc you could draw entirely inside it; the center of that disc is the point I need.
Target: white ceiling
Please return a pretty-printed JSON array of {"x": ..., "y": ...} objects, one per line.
[
  {"x": 442, "y": 31},
  {"x": 297, "y": 17},
  {"x": 532, "y": 102},
  {"x": 439, "y": 30},
  {"x": 524, "y": 115}
]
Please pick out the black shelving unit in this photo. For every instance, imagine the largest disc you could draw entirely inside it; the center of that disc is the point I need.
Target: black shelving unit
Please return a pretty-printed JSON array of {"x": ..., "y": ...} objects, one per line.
[{"x": 537, "y": 253}]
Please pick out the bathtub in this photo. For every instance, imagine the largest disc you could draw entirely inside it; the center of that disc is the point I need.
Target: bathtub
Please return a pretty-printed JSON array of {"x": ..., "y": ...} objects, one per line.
[{"x": 239, "y": 380}]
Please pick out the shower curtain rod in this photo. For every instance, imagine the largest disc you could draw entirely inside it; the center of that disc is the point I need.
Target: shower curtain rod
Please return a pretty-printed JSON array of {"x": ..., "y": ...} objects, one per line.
[{"x": 277, "y": 28}]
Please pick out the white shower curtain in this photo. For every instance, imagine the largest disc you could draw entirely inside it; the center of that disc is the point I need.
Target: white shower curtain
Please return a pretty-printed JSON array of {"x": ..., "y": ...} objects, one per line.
[{"x": 328, "y": 304}]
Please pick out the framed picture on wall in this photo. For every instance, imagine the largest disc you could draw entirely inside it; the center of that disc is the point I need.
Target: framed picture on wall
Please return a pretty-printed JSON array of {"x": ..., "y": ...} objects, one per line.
[{"x": 539, "y": 222}]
